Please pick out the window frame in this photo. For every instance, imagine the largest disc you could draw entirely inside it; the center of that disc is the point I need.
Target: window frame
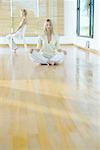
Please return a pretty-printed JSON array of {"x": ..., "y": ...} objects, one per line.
[{"x": 91, "y": 20}]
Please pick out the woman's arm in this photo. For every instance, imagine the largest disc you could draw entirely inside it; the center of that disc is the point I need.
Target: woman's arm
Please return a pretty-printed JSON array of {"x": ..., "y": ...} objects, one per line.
[
  {"x": 39, "y": 45},
  {"x": 23, "y": 22},
  {"x": 34, "y": 49},
  {"x": 58, "y": 46}
]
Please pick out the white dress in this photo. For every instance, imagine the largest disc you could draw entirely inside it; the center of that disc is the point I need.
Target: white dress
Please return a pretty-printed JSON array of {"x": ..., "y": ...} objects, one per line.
[
  {"x": 19, "y": 35},
  {"x": 48, "y": 52}
]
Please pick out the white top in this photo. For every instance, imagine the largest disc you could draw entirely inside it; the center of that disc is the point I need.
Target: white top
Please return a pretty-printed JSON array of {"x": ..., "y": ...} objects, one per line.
[
  {"x": 20, "y": 33},
  {"x": 48, "y": 49}
]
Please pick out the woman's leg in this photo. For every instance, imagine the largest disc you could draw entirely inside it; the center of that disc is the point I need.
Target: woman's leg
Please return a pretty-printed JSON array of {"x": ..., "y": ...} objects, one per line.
[
  {"x": 14, "y": 46},
  {"x": 38, "y": 57},
  {"x": 11, "y": 42},
  {"x": 58, "y": 58}
]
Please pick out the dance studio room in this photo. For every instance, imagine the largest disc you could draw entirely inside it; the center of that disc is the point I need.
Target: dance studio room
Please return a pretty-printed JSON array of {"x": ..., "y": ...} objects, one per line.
[{"x": 49, "y": 74}]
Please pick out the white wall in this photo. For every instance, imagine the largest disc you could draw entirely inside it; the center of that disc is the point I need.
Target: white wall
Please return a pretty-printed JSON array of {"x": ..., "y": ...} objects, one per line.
[{"x": 70, "y": 19}]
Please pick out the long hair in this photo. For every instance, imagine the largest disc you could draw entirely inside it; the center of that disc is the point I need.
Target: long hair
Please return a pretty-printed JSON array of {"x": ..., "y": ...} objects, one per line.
[
  {"x": 24, "y": 11},
  {"x": 45, "y": 31}
]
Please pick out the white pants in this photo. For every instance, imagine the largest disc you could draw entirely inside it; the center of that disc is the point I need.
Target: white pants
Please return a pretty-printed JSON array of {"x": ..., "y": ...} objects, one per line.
[
  {"x": 11, "y": 41},
  {"x": 13, "y": 37},
  {"x": 39, "y": 58}
]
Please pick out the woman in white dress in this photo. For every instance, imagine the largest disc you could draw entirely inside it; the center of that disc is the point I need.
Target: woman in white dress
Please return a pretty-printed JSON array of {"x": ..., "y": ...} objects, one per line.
[
  {"x": 20, "y": 31},
  {"x": 47, "y": 51}
]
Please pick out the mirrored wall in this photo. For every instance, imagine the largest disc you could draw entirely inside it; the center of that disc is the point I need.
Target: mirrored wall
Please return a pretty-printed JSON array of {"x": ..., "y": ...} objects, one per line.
[{"x": 38, "y": 11}]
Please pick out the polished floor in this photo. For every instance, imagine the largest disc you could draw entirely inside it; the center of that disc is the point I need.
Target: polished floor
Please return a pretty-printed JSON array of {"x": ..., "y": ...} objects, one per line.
[{"x": 49, "y": 107}]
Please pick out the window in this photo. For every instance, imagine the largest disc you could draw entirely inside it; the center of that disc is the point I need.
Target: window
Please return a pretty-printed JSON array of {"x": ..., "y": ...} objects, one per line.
[
  {"x": 38, "y": 11},
  {"x": 85, "y": 18}
]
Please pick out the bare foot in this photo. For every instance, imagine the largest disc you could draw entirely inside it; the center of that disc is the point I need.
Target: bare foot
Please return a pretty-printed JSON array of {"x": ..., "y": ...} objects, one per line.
[
  {"x": 51, "y": 63},
  {"x": 43, "y": 64},
  {"x": 15, "y": 50}
]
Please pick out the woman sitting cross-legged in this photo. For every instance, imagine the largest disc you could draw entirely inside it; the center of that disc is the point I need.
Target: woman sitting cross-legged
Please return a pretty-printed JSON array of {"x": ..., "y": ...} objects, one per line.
[{"x": 47, "y": 51}]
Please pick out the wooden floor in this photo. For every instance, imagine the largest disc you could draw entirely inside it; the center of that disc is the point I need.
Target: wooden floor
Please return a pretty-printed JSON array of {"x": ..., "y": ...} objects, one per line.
[{"x": 49, "y": 108}]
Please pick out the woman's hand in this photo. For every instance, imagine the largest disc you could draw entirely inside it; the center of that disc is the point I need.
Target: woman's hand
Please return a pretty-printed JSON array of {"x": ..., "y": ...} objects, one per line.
[
  {"x": 65, "y": 53},
  {"x": 34, "y": 49},
  {"x": 31, "y": 50}
]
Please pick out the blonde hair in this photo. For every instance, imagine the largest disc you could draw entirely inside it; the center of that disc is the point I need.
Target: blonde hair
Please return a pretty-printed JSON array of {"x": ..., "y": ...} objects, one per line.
[
  {"x": 24, "y": 11},
  {"x": 48, "y": 20}
]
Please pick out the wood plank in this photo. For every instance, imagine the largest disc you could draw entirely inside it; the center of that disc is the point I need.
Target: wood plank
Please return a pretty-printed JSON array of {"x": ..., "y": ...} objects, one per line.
[{"x": 49, "y": 107}]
